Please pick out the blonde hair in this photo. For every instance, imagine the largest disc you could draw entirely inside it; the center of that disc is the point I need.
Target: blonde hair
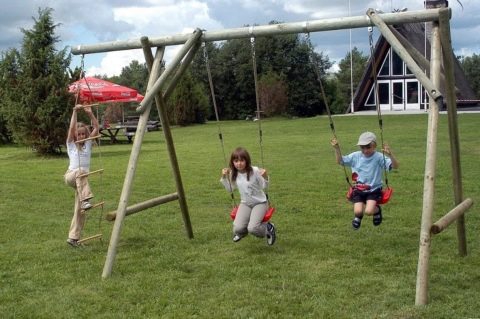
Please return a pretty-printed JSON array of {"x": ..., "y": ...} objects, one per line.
[
  {"x": 81, "y": 125},
  {"x": 85, "y": 126}
]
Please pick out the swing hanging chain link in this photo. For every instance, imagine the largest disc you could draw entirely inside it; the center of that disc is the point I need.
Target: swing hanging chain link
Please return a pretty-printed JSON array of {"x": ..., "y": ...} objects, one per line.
[
  {"x": 316, "y": 68},
  {"x": 217, "y": 117},
  {"x": 259, "y": 111},
  {"x": 377, "y": 100},
  {"x": 257, "y": 99}
]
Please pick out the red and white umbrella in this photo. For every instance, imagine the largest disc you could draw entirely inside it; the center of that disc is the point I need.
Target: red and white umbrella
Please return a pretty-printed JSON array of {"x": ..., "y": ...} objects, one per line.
[{"x": 93, "y": 90}]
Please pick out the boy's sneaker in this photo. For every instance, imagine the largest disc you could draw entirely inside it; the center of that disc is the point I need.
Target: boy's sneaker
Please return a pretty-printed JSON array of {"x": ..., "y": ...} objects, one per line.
[
  {"x": 377, "y": 218},
  {"x": 236, "y": 238},
  {"x": 271, "y": 236},
  {"x": 356, "y": 223},
  {"x": 73, "y": 242},
  {"x": 86, "y": 205}
]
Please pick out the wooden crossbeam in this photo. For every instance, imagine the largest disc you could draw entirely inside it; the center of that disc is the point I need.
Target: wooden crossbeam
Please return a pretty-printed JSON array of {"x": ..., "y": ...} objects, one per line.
[
  {"x": 86, "y": 105},
  {"x": 84, "y": 240},
  {"x": 451, "y": 216},
  {"x": 144, "y": 205},
  {"x": 89, "y": 138}
]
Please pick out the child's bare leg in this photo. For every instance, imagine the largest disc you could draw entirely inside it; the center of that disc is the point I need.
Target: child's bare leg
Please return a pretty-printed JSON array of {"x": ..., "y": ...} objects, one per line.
[
  {"x": 358, "y": 209},
  {"x": 371, "y": 207}
]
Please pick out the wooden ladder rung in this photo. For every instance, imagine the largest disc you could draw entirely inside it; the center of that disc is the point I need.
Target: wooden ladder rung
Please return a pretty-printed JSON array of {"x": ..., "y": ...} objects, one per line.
[
  {"x": 84, "y": 240},
  {"x": 91, "y": 173},
  {"x": 93, "y": 206},
  {"x": 87, "y": 105},
  {"x": 89, "y": 138}
]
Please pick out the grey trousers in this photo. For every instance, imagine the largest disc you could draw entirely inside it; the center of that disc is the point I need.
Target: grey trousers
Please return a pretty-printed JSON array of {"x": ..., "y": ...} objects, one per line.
[{"x": 249, "y": 220}]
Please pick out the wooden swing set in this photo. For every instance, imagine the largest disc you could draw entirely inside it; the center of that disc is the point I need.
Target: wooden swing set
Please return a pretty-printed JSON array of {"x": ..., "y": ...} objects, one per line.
[{"x": 161, "y": 85}]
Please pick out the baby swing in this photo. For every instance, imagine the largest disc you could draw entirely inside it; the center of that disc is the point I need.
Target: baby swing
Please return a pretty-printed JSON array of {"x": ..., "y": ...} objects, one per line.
[
  {"x": 233, "y": 212},
  {"x": 388, "y": 191}
]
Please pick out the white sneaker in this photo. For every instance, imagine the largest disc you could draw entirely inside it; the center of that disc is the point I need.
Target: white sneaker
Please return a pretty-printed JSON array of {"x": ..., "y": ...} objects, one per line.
[
  {"x": 236, "y": 238},
  {"x": 86, "y": 205}
]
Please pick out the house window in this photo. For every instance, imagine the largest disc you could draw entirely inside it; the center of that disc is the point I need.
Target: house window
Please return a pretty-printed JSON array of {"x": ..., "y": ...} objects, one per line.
[
  {"x": 397, "y": 64},
  {"x": 371, "y": 98},
  {"x": 384, "y": 93},
  {"x": 407, "y": 71},
  {"x": 412, "y": 92},
  {"x": 385, "y": 70}
]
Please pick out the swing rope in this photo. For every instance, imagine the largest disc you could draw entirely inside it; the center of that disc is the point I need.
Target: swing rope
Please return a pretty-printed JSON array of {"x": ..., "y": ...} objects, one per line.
[
  {"x": 377, "y": 101},
  {"x": 217, "y": 117},
  {"x": 96, "y": 141},
  {"x": 233, "y": 213},
  {"x": 271, "y": 209},
  {"x": 316, "y": 68},
  {"x": 257, "y": 99}
]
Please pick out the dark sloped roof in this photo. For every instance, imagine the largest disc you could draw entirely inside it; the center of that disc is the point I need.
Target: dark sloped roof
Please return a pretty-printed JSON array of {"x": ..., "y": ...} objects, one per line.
[{"x": 414, "y": 33}]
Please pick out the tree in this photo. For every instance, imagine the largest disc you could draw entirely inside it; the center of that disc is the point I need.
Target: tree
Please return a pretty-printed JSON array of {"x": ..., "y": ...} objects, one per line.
[
  {"x": 285, "y": 57},
  {"x": 471, "y": 67},
  {"x": 273, "y": 94},
  {"x": 36, "y": 107},
  {"x": 8, "y": 71},
  {"x": 188, "y": 103},
  {"x": 135, "y": 76},
  {"x": 359, "y": 63}
]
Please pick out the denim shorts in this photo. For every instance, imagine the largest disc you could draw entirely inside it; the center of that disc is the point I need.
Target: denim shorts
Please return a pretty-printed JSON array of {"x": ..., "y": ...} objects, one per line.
[{"x": 362, "y": 197}]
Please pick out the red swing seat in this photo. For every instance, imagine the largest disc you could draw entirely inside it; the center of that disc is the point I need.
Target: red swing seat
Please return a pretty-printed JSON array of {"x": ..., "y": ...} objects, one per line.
[
  {"x": 266, "y": 218},
  {"x": 386, "y": 194}
]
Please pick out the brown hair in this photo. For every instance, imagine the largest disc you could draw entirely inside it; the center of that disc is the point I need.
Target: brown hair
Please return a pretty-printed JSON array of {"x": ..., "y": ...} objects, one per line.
[{"x": 241, "y": 153}]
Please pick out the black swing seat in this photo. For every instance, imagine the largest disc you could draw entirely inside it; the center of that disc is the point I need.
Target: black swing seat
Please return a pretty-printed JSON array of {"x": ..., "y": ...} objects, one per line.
[{"x": 266, "y": 218}]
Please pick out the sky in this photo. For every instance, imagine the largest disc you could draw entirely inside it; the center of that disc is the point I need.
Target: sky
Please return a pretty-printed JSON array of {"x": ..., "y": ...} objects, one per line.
[{"x": 96, "y": 21}]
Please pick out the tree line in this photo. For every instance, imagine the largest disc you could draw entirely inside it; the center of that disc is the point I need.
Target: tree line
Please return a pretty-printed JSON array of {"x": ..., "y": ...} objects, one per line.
[{"x": 35, "y": 104}]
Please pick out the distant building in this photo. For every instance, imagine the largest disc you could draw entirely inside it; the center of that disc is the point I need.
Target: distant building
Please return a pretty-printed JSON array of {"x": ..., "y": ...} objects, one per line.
[{"x": 398, "y": 88}]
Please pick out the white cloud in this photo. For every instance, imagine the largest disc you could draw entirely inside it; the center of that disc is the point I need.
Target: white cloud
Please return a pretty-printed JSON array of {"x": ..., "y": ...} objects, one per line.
[
  {"x": 155, "y": 21},
  {"x": 97, "y": 21},
  {"x": 113, "y": 62}
]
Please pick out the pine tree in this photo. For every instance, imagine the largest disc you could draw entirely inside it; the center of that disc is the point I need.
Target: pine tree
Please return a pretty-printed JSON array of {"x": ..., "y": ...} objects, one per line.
[{"x": 36, "y": 108}]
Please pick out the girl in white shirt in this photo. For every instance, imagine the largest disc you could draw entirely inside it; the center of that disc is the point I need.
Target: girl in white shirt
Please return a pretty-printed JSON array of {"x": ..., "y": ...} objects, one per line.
[
  {"x": 79, "y": 154},
  {"x": 250, "y": 181}
]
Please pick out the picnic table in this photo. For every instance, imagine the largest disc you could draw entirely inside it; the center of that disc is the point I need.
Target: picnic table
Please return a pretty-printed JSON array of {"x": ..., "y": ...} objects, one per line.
[
  {"x": 111, "y": 132},
  {"x": 129, "y": 130}
]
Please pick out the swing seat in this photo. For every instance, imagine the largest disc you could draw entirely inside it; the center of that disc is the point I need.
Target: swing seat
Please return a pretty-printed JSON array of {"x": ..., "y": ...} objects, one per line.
[
  {"x": 386, "y": 194},
  {"x": 266, "y": 218}
]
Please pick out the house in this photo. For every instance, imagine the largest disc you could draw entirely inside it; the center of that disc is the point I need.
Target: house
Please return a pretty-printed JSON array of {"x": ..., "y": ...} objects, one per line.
[{"x": 398, "y": 88}]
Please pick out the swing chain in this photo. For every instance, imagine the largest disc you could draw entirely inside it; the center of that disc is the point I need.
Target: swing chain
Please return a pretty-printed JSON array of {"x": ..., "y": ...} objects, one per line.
[
  {"x": 217, "y": 117},
  {"x": 377, "y": 99},
  {"x": 257, "y": 99},
  {"x": 315, "y": 65}
]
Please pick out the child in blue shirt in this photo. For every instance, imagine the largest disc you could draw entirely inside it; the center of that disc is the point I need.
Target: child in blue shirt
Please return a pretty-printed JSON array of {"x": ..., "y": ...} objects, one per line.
[{"x": 367, "y": 166}]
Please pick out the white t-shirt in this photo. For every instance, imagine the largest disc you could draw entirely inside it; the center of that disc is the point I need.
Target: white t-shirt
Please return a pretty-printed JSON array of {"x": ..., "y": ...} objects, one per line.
[
  {"x": 251, "y": 191},
  {"x": 79, "y": 158}
]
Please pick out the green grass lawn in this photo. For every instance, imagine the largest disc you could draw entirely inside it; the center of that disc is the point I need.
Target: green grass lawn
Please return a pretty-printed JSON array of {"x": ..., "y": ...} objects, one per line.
[{"x": 318, "y": 268}]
